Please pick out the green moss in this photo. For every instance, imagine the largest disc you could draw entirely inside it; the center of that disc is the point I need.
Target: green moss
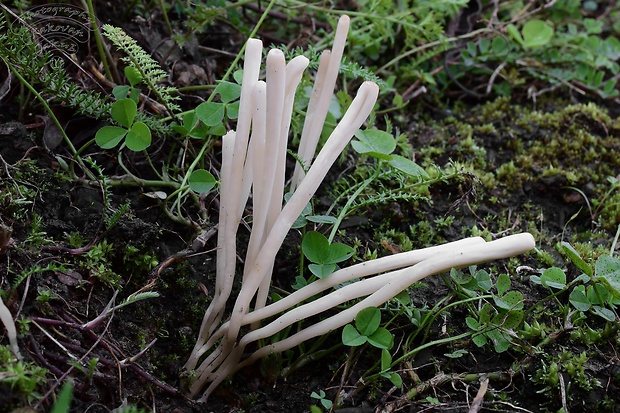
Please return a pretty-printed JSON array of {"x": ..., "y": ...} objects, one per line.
[{"x": 513, "y": 150}]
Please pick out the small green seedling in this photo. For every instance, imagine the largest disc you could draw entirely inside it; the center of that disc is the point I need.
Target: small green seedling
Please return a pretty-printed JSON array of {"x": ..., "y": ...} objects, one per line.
[
  {"x": 322, "y": 397},
  {"x": 535, "y": 33},
  {"x": 473, "y": 282},
  {"x": 136, "y": 134},
  {"x": 124, "y": 91},
  {"x": 596, "y": 289},
  {"x": 209, "y": 117},
  {"x": 367, "y": 330},
  {"x": 495, "y": 323},
  {"x": 63, "y": 402},
  {"x": 323, "y": 255}
]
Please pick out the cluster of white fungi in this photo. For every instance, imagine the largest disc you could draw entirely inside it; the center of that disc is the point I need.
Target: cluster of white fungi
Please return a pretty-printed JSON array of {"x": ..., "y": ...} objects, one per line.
[{"x": 253, "y": 163}]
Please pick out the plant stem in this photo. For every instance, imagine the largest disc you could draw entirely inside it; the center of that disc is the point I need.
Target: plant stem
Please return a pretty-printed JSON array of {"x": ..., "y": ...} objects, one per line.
[
  {"x": 350, "y": 200},
  {"x": 99, "y": 39},
  {"x": 55, "y": 120}
]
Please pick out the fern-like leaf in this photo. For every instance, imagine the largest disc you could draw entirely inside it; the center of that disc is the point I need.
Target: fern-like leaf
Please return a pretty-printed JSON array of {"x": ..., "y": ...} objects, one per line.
[{"x": 152, "y": 74}]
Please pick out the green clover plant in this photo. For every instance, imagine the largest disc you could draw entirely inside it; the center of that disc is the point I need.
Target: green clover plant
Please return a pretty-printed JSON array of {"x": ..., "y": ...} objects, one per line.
[
  {"x": 596, "y": 290},
  {"x": 490, "y": 323},
  {"x": 136, "y": 134},
  {"x": 367, "y": 329},
  {"x": 323, "y": 254}
]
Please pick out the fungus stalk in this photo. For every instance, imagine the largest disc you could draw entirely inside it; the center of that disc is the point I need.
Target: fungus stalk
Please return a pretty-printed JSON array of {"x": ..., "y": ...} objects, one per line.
[{"x": 7, "y": 319}]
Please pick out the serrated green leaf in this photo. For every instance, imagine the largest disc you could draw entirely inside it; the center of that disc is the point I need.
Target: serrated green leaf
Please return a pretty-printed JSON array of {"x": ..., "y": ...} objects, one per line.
[
  {"x": 367, "y": 320},
  {"x": 109, "y": 136},
  {"x": 139, "y": 137},
  {"x": 124, "y": 112},
  {"x": 351, "y": 337},
  {"x": 201, "y": 181}
]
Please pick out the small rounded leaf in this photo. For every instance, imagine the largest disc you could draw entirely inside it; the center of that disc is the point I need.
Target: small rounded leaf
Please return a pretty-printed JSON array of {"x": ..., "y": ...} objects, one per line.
[
  {"x": 351, "y": 337},
  {"x": 124, "y": 112},
  {"x": 315, "y": 247},
  {"x": 138, "y": 137},
  {"x": 579, "y": 300},
  {"x": 503, "y": 284},
  {"x": 536, "y": 33},
  {"x": 381, "y": 338},
  {"x": 512, "y": 300},
  {"x": 376, "y": 143},
  {"x": 210, "y": 113},
  {"x": 553, "y": 277},
  {"x": 201, "y": 181},
  {"x": 322, "y": 270},
  {"x": 121, "y": 91},
  {"x": 228, "y": 91},
  {"x": 367, "y": 321},
  {"x": 407, "y": 166},
  {"x": 339, "y": 252},
  {"x": 110, "y": 136},
  {"x": 133, "y": 75}
]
